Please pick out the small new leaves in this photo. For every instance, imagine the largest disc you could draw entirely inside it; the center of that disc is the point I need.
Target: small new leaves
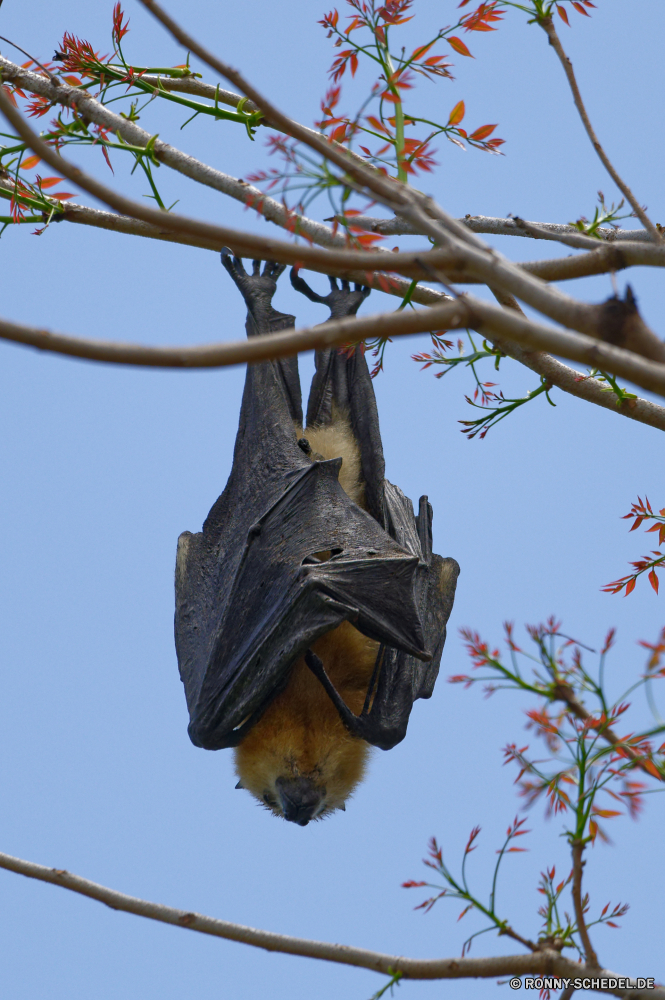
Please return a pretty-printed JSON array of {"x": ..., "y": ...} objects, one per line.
[
  {"x": 457, "y": 114},
  {"x": 651, "y": 564}
]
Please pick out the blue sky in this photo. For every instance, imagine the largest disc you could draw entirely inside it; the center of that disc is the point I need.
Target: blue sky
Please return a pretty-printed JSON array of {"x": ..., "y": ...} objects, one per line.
[{"x": 104, "y": 467}]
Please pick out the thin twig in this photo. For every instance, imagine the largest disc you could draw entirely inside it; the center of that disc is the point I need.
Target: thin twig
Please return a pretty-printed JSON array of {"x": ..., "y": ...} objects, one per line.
[
  {"x": 547, "y": 24},
  {"x": 544, "y": 962},
  {"x": 564, "y": 692},
  {"x": 578, "y": 865}
]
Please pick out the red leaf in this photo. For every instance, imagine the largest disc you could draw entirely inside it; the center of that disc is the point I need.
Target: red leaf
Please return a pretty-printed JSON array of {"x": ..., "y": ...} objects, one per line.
[
  {"x": 458, "y": 45},
  {"x": 30, "y": 162},
  {"x": 580, "y": 9},
  {"x": 47, "y": 182},
  {"x": 421, "y": 50},
  {"x": 563, "y": 14},
  {"x": 61, "y": 195},
  {"x": 457, "y": 114},
  {"x": 482, "y": 132},
  {"x": 630, "y": 586},
  {"x": 73, "y": 81},
  {"x": 653, "y": 580}
]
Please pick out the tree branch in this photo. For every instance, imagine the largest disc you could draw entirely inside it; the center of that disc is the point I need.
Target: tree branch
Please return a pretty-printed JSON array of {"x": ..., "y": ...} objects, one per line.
[
  {"x": 544, "y": 962},
  {"x": 489, "y": 320},
  {"x": 486, "y": 264},
  {"x": 272, "y": 210},
  {"x": 493, "y": 226},
  {"x": 564, "y": 692},
  {"x": 602, "y": 260},
  {"x": 547, "y": 25},
  {"x": 578, "y": 903}
]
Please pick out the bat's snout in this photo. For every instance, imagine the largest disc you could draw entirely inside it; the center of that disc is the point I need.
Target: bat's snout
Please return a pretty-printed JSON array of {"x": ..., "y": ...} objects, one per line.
[{"x": 301, "y": 799}]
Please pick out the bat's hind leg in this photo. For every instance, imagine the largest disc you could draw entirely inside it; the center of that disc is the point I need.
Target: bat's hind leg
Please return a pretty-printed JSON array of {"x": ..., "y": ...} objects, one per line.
[
  {"x": 258, "y": 289},
  {"x": 341, "y": 413}
]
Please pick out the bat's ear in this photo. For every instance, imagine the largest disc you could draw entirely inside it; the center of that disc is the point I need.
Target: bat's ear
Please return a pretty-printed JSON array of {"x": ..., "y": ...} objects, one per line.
[{"x": 301, "y": 285}]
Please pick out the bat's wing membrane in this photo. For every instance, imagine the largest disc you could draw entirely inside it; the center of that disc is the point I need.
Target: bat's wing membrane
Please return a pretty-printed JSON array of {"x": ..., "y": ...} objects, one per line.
[{"x": 311, "y": 561}]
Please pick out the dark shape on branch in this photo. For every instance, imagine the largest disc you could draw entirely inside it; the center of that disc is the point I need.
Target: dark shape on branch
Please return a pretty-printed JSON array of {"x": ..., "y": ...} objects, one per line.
[{"x": 620, "y": 324}]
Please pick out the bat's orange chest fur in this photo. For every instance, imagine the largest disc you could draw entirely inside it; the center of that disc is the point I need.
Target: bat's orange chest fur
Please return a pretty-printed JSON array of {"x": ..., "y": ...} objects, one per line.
[{"x": 301, "y": 733}]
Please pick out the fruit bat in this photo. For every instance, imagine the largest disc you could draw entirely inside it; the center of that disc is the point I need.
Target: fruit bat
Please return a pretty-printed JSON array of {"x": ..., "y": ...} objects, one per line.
[{"x": 310, "y": 610}]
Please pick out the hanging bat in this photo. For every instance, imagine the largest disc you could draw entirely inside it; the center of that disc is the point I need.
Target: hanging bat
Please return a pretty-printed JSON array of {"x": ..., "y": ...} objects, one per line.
[{"x": 310, "y": 610}]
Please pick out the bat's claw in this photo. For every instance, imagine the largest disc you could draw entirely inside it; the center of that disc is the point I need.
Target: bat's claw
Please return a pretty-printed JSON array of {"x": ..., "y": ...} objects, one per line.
[
  {"x": 257, "y": 288},
  {"x": 342, "y": 301}
]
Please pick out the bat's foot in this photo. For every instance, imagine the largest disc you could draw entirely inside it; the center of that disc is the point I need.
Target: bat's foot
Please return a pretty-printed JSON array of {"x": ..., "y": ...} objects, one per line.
[
  {"x": 342, "y": 300},
  {"x": 258, "y": 289}
]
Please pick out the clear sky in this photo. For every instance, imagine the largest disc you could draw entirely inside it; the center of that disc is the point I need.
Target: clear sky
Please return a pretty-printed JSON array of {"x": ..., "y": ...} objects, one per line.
[{"x": 105, "y": 466}]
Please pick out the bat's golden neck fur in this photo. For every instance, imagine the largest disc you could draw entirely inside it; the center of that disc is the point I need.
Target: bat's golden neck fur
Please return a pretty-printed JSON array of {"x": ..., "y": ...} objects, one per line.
[
  {"x": 301, "y": 734},
  {"x": 336, "y": 440}
]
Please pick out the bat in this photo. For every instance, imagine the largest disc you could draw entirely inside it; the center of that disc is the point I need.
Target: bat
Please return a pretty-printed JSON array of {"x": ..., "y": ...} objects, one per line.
[{"x": 310, "y": 610}]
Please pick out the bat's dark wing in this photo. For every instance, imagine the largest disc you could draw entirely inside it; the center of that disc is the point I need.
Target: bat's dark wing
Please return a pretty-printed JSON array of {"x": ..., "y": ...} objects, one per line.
[{"x": 285, "y": 556}]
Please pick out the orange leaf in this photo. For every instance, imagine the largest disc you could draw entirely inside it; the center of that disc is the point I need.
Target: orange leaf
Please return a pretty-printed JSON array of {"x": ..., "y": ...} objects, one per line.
[
  {"x": 421, "y": 50},
  {"x": 47, "y": 182},
  {"x": 593, "y": 829},
  {"x": 482, "y": 132},
  {"x": 606, "y": 813},
  {"x": 651, "y": 768},
  {"x": 73, "y": 81},
  {"x": 630, "y": 586},
  {"x": 578, "y": 7},
  {"x": 30, "y": 162},
  {"x": 563, "y": 14},
  {"x": 457, "y": 113},
  {"x": 61, "y": 195},
  {"x": 459, "y": 46},
  {"x": 653, "y": 580}
]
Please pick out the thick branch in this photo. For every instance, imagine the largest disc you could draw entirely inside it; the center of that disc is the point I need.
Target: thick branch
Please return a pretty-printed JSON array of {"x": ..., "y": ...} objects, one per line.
[
  {"x": 547, "y": 25},
  {"x": 262, "y": 348},
  {"x": 489, "y": 320},
  {"x": 602, "y": 260},
  {"x": 487, "y": 265},
  {"x": 545, "y": 962}
]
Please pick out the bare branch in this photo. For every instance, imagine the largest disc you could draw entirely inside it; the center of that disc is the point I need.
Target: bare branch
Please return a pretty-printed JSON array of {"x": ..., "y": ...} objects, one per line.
[
  {"x": 262, "y": 348},
  {"x": 547, "y": 25},
  {"x": 578, "y": 865},
  {"x": 543, "y": 962},
  {"x": 493, "y": 226},
  {"x": 464, "y": 312},
  {"x": 602, "y": 260}
]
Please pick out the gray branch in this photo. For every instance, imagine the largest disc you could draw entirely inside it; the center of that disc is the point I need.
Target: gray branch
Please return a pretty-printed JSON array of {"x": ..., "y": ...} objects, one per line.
[{"x": 545, "y": 962}]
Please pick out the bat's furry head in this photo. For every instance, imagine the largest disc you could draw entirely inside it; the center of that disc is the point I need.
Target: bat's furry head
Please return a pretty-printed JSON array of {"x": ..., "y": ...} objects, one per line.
[{"x": 298, "y": 760}]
